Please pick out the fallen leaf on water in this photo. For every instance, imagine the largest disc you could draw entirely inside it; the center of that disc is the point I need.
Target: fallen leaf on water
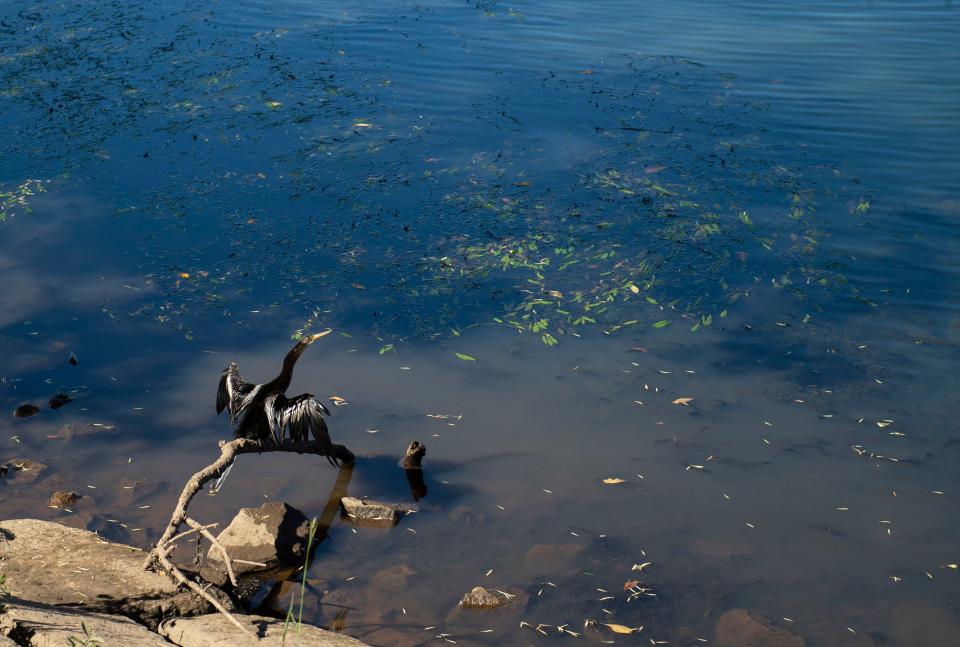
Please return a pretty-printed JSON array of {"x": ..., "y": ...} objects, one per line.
[
  {"x": 620, "y": 629},
  {"x": 683, "y": 401},
  {"x": 613, "y": 480},
  {"x": 634, "y": 289}
]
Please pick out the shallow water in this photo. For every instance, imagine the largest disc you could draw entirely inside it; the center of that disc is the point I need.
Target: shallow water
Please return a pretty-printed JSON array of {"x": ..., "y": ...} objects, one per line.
[{"x": 608, "y": 206}]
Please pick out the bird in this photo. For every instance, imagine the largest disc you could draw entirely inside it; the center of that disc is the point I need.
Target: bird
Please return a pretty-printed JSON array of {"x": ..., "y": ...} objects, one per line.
[{"x": 262, "y": 411}]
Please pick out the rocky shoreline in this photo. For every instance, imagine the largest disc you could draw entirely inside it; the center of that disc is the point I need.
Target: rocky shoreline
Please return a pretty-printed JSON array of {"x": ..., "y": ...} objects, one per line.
[{"x": 63, "y": 583}]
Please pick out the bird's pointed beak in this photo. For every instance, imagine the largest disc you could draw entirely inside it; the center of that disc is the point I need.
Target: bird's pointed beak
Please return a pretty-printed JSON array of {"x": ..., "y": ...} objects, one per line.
[{"x": 313, "y": 338}]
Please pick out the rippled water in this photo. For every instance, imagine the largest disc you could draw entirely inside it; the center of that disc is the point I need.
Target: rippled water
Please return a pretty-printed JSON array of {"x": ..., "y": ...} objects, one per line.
[{"x": 610, "y": 206}]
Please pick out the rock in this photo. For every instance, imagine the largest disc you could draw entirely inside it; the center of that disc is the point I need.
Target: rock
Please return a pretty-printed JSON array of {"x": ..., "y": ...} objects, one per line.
[
  {"x": 213, "y": 630},
  {"x": 924, "y": 626},
  {"x": 275, "y": 534},
  {"x": 721, "y": 550},
  {"x": 336, "y": 605},
  {"x": 472, "y": 611},
  {"x": 394, "y": 577},
  {"x": 553, "y": 558},
  {"x": 135, "y": 492},
  {"x": 25, "y": 411},
  {"x": 466, "y": 515},
  {"x": 59, "y": 400},
  {"x": 63, "y": 499},
  {"x": 43, "y": 625},
  {"x": 110, "y": 530},
  {"x": 285, "y": 593},
  {"x": 72, "y": 431},
  {"x": 741, "y": 628},
  {"x": 76, "y": 567},
  {"x": 481, "y": 598},
  {"x": 373, "y": 513},
  {"x": 21, "y": 471}
]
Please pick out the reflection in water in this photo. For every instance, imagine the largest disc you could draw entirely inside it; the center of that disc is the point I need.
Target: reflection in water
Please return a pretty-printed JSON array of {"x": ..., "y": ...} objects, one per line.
[{"x": 266, "y": 595}]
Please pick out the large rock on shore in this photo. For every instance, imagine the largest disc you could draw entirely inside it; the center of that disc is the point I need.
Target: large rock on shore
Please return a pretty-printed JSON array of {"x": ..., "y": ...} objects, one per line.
[
  {"x": 213, "y": 630},
  {"x": 51, "y": 564},
  {"x": 43, "y": 625},
  {"x": 275, "y": 534}
]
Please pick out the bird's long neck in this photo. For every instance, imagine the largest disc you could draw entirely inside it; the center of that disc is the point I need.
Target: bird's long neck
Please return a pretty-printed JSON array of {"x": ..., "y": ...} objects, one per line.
[{"x": 282, "y": 381}]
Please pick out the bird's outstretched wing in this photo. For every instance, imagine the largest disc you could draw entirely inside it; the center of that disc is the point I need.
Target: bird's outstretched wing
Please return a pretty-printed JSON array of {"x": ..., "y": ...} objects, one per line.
[
  {"x": 234, "y": 394},
  {"x": 303, "y": 416}
]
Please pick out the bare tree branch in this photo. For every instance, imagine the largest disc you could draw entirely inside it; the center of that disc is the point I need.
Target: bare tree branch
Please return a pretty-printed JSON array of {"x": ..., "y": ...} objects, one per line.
[
  {"x": 228, "y": 453},
  {"x": 161, "y": 556},
  {"x": 216, "y": 544}
]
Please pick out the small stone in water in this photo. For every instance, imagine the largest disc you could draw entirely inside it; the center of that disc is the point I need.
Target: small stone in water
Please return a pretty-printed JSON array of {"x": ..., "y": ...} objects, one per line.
[
  {"x": 59, "y": 400},
  {"x": 63, "y": 499},
  {"x": 25, "y": 411}
]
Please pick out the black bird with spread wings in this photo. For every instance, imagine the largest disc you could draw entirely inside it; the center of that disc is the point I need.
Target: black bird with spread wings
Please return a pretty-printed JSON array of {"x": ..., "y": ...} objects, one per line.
[{"x": 261, "y": 411}]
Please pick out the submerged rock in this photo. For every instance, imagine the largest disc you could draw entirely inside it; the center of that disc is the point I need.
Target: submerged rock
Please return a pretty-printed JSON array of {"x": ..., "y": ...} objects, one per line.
[
  {"x": 925, "y": 626},
  {"x": 553, "y": 558},
  {"x": 741, "y": 628},
  {"x": 275, "y": 534},
  {"x": 481, "y": 598},
  {"x": 40, "y": 625},
  {"x": 52, "y": 564},
  {"x": 63, "y": 499},
  {"x": 213, "y": 630},
  {"x": 25, "y": 411},
  {"x": 59, "y": 400},
  {"x": 509, "y": 605},
  {"x": 21, "y": 471},
  {"x": 114, "y": 531},
  {"x": 373, "y": 513}
]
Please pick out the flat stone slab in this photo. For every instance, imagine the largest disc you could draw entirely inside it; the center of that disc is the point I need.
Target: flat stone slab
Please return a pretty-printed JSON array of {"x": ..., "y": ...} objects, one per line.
[
  {"x": 52, "y": 564},
  {"x": 43, "y": 625},
  {"x": 364, "y": 512},
  {"x": 213, "y": 630}
]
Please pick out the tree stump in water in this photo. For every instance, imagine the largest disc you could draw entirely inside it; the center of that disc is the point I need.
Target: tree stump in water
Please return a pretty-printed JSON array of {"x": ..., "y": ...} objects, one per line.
[{"x": 411, "y": 464}]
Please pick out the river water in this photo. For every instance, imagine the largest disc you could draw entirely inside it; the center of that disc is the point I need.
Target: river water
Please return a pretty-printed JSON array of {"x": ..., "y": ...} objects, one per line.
[{"x": 708, "y": 249}]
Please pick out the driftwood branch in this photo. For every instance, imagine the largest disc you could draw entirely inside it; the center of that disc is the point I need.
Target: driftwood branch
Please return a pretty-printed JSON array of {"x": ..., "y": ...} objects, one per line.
[
  {"x": 228, "y": 453},
  {"x": 161, "y": 557},
  {"x": 216, "y": 544},
  {"x": 185, "y": 533}
]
